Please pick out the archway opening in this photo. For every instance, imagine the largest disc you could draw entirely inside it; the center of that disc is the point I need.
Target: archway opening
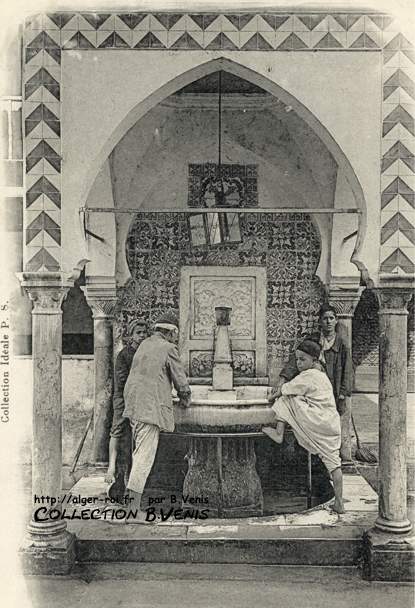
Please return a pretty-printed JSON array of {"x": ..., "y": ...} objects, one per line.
[{"x": 255, "y": 84}]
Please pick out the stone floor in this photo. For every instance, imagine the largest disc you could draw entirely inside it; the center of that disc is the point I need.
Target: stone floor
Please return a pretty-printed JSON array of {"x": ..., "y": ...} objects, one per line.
[
  {"x": 212, "y": 586},
  {"x": 315, "y": 537},
  {"x": 359, "y": 498}
]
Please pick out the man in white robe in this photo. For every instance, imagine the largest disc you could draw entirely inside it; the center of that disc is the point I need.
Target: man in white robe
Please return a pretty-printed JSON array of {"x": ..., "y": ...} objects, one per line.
[{"x": 308, "y": 405}]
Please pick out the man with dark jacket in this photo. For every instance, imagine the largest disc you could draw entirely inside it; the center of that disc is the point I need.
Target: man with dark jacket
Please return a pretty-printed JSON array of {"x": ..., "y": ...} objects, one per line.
[
  {"x": 335, "y": 358},
  {"x": 120, "y": 435}
]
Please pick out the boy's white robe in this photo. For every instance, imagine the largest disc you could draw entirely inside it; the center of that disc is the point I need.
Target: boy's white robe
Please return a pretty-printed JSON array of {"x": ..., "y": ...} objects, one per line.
[{"x": 307, "y": 404}]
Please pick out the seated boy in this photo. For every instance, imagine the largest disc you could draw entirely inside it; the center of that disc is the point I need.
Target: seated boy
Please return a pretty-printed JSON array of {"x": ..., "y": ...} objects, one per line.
[{"x": 307, "y": 404}]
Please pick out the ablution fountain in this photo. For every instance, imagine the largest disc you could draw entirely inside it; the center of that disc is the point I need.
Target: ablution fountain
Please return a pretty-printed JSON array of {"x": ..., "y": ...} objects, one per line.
[
  {"x": 223, "y": 323},
  {"x": 221, "y": 424}
]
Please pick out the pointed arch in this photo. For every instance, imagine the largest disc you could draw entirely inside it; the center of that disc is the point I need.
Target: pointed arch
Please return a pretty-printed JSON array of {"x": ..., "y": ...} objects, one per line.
[{"x": 237, "y": 69}]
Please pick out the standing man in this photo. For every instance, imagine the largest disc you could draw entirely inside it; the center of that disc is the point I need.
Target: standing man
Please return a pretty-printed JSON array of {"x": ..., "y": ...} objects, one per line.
[
  {"x": 120, "y": 435},
  {"x": 335, "y": 357},
  {"x": 148, "y": 401}
]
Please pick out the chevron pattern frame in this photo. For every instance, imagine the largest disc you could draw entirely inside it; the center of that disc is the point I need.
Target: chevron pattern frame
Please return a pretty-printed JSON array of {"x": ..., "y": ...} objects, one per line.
[{"x": 48, "y": 35}]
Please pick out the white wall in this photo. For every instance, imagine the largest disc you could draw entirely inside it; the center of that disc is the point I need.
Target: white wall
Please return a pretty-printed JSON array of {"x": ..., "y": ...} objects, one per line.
[
  {"x": 77, "y": 404},
  {"x": 341, "y": 90}
]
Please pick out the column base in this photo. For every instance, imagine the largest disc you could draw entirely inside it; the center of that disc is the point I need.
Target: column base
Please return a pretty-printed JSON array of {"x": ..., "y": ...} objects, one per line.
[
  {"x": 48, "y": 554},
  {"x": 387, "y": 557},
  {"x": 392, "y": 527}
]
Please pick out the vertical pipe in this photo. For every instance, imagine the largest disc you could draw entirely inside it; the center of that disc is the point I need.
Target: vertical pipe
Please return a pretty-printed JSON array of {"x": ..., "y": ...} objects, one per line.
[
  {"x": 309, "y": 482},
  {"x": 220, "y": 474}
]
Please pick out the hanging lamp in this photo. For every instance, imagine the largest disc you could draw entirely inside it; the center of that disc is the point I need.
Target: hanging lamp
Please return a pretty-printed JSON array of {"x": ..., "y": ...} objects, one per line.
[{"x": 218, "y": 189}]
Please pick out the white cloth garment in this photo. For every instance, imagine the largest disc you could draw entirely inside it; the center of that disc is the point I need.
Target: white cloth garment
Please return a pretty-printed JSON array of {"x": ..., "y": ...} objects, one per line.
[
  {"x": 325, "y": 345},
  {"x": 307, "y": 404},
  {"x": 146, "y": 438}
]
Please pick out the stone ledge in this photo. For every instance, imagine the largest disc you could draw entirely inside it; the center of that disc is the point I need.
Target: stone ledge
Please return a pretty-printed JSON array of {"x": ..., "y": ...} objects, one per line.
[{"x": 289, "y": 551}]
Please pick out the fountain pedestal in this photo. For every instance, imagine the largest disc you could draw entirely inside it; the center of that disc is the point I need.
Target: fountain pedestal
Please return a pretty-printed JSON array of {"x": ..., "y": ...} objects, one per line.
[
  {"x": 222, "y": 466},
  {"x": 222, "y": 470}
]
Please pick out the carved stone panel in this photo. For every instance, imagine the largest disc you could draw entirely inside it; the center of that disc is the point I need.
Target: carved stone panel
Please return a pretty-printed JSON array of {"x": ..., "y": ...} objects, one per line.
[
  {"x": 202, "y": 288},
  {"x": 201, "y": 364},
  {"x": 238, "y": 293}
]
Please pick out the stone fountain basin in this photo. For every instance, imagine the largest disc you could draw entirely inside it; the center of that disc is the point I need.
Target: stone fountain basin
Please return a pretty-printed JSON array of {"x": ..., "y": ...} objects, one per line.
[{"x": 242, "y": 410}]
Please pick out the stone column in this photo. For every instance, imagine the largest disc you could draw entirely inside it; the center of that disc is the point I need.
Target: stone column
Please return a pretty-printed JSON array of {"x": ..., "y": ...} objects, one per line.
[
  {"x": 389, "y": 547},
  {"x": 345, "y": 301},
  {"x": 48, "y": 547},
  {"x": 392, "y": 409},
  {"x": 102, "y": 303}
]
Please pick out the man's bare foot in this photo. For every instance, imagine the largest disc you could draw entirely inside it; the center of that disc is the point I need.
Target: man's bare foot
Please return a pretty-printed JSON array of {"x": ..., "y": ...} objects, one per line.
[
  {"x": 338, "y": 506},
  {"x": 274, "y": 434}
]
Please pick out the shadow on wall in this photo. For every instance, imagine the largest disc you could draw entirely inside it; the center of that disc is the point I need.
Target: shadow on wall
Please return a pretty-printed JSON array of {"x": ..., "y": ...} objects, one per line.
[{"x": 77, "y": 322}]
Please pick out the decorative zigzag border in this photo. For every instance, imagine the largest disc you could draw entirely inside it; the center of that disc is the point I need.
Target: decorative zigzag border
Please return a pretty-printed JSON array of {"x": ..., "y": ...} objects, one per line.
[
  {"x": 47, "y": 35},
  {"x": 398, "y": 161}
]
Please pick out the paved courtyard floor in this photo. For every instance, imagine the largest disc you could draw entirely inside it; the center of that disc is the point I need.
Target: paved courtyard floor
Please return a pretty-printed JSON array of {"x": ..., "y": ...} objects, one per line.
[{"x": 213, "y": 586}]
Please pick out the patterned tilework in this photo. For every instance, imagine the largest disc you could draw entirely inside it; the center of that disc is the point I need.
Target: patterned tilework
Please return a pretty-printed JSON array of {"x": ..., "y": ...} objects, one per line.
[
  {"x": 366, "y": 332},
  {"x": 398, "y": 161},
  {"x": 158, "y": 245},
  {"x": 241, "y": 181},
  {"x": 42, "y": 94},
  {"x": 238, "y": 31},
  {"x": 47, "y": 35}
]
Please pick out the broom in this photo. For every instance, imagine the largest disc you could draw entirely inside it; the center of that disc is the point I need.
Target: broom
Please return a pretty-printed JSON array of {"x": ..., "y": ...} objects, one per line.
[{"x": 363, "y": 454}]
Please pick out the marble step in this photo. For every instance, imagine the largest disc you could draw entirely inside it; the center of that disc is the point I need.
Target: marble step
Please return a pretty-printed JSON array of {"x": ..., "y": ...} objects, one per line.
[
  {"x": 98, "y": 571},
  {"x": 317, "y": 537}
]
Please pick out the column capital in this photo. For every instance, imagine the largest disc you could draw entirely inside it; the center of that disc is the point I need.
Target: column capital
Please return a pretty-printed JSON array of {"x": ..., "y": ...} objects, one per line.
[
  {"x": 344, "y": 299},
  {"x": 47, "y": 290},
  {"x": 393, "y": 299},
  {"x": 102, "y": 300}
]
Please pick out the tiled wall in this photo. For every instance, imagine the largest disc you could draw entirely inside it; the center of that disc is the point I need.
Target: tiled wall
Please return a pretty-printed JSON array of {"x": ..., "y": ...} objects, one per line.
[
  {"x": 47, "y": 36},
  {"x": 288, "y": 246},
  {"x": 158, "y": 245},
  {"x": 366, "y": 332}
]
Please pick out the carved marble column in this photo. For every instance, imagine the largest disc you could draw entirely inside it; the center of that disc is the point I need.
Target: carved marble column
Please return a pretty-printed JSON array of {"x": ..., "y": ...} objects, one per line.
[
  {"x": 393, "y": 316},
  {"x": 389, "y": 547},
  {"x": 102, "y": 303},
  {"x": 48, "y": 547},
  {"x": 345, "y": 300}
]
